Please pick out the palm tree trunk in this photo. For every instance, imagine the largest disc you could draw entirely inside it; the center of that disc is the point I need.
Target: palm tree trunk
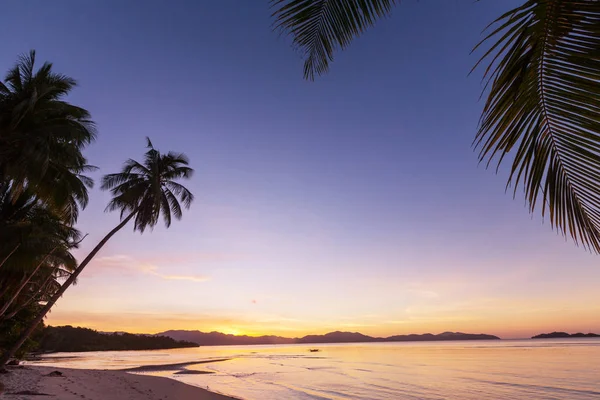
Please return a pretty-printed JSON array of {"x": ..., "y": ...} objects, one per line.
[
  {"x": 5, "y": 290},
  {"x": 13, "y": 350},
  {"x": 10, "y": 254},
  {"x": 20, "y": 289},
  {"x": 20, "y": 307},
  {"x": 8, "y": 287},
  {"x": 39, "y": 291}
]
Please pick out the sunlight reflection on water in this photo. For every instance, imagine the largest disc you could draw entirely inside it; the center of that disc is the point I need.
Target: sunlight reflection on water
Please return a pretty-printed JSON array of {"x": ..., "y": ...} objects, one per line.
[{"x": 508, "y": 369}]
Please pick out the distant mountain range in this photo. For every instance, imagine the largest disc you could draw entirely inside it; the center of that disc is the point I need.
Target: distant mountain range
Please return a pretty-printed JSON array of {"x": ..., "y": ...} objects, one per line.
[
  {"x": 560, "y": 335},
  {"x": 221, "y": 339}
]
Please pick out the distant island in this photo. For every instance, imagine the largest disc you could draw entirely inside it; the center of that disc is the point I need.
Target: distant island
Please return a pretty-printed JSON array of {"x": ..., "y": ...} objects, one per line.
[
  {"x": 561, "y": 335},
  {"x": 69, "y": 339},
  {"x": 221, "y": 339},
  {"x": 74, "y": 339}
]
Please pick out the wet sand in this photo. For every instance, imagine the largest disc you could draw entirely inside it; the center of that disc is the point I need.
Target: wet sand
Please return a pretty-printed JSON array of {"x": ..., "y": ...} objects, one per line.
[
  {"x": 173, "y": 367},
  {"x": 28, "y": 382}
]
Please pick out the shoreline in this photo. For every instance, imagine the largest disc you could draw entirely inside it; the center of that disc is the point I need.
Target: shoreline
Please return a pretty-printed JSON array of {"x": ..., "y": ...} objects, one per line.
[
  {"x": 180, "y": 367},
  {"x": 26, "y": 382}
]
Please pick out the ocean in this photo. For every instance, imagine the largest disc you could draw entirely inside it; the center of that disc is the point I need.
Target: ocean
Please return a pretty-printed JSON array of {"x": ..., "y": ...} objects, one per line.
[{"x": 506, "y": 369}]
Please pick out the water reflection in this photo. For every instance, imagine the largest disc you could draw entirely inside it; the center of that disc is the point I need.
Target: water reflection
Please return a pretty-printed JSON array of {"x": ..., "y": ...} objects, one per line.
[{"x": 532, "y": 369}]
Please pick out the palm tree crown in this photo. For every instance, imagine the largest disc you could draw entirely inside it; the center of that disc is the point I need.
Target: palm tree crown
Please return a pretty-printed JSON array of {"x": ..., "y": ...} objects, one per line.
[
  {"x": 149, "y": 189},
  {"x": 42, "y": 137}
]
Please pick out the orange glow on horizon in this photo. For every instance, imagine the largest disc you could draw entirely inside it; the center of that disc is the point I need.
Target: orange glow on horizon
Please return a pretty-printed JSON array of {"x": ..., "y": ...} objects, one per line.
[
  {"x": 230, "y": 331},
  {"x": 520, "y": 326},
  {"x": 104, "y": 300}
]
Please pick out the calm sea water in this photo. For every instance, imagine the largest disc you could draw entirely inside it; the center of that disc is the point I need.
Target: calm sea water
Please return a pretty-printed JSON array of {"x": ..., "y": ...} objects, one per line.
[{"x": 508, "y": 369}]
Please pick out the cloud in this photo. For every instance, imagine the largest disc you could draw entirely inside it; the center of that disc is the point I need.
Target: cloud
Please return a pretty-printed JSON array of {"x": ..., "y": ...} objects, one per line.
[
  {"x": 193, "y": 257},
  {"x": 193, "y": 278},
  {"x": 121, "y": 262}
]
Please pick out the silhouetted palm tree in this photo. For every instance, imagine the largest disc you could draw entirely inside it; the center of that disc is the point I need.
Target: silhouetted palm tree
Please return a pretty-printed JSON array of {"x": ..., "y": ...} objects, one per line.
[
  {"x": 42, "y": 137},
  {"x": 542, "y": 106},
  {"x": 142, "y": 192},
  {"x": 147, "y": 190},
  {"x": 33, "y": 240}
]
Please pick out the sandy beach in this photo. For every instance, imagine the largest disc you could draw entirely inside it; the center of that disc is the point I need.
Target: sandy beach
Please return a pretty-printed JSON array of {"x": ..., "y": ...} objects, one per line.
[{"x": 25, "y": 383}]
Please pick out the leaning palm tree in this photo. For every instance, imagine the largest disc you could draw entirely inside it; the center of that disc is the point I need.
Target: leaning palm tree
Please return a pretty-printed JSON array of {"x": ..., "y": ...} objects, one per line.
[
  {"x": 542, "y": 110},
  {"x": 42, "y": 137},
  {"x": 142, "y": 192},
  {"x": 32, "y": 237}
]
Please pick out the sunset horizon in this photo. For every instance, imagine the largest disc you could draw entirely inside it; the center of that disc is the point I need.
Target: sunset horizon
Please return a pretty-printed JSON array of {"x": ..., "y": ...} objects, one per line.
[
  {"x": 240, "y": 330},
  {"x": 296, "y": 168}
]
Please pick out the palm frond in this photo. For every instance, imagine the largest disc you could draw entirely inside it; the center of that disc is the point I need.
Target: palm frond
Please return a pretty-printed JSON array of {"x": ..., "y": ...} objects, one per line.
[
  {"x": 135, "y": 167},
  {"x": 319, "y": 27},
  {"x": 111, "y": 181},
  {"x": 26, "y": 64},
  {"x": 165, "y": 209},
  {"x": 86, "y": 181},
  {"x": 14, "y": 79},
  {"x": 174, "y": 171},
  {"x": 147, "y": 215},
  {"x": 122, "y": 204},
  {"x": 176, "y": 158},
  {"x": 181, "y": 191},
  {"x": 543, "y": 109},
  {"x": 174, "y": 204}
]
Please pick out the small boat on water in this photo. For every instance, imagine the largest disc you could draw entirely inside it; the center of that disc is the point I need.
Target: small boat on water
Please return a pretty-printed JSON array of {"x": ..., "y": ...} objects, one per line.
[{"x": 314, "y": 350}]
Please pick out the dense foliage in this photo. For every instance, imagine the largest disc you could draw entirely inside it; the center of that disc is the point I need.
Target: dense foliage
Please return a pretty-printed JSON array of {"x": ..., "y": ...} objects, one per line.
[
  {"x": 71, "y": 339},
  {"x": 42, "y": 191},
  {"x": 11, "y": 329}
]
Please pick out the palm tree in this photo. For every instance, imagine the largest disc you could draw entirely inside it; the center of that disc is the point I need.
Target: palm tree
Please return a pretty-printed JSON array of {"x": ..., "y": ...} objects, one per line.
[
  {"x": 542, "y": 107},
  {"x": 32, "y": 239},
  {"x": 35, "y": 248},
  {"x": 42, "y": 137},
  {"x": 42, "y": 186},
  {"x": 141, "y": 192}
]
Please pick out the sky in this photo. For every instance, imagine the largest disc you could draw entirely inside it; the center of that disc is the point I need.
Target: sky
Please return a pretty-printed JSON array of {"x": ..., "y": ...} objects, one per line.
[{"x": 355, "y": 202}]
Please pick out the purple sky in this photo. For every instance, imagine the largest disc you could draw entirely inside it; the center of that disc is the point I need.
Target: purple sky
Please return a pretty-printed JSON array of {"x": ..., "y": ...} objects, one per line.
[{"x": 354, "y": 202}]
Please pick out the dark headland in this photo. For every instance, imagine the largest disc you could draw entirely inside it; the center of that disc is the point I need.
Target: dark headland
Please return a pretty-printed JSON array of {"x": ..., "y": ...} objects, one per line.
[
  {"x": 561, "y": 335},
  {"x": 71, "y": 339}
]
